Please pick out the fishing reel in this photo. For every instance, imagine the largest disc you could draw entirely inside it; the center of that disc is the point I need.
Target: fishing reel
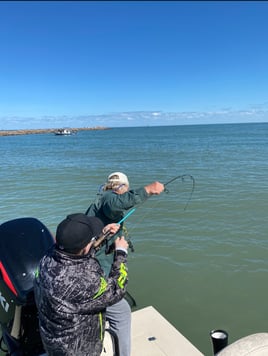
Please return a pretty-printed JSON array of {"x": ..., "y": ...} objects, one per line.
[{"x": 104, "y": 238}]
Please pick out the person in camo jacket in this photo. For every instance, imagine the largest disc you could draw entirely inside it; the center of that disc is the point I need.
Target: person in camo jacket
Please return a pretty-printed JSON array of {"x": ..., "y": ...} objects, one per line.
[{"x": 71, "y": 290}]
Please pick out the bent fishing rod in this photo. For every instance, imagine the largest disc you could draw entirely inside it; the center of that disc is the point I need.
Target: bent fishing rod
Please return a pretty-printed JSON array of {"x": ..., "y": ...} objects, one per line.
[
  {"x": 103, "y": 237},
  {"x": 183, "y": 176}
]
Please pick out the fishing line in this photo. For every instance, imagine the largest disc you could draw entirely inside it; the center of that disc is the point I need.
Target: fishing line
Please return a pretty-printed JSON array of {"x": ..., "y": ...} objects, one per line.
[
  {"x": 167, "y": 191},
  {"x": 182, "y": 177}
]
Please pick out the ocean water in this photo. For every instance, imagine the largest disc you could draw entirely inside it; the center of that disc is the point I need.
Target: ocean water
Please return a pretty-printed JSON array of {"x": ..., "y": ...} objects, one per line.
[{"x": 203, "y": 266}]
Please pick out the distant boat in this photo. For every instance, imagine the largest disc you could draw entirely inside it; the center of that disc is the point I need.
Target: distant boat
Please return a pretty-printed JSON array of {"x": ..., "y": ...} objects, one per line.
[{"x": 63, "y": 132}]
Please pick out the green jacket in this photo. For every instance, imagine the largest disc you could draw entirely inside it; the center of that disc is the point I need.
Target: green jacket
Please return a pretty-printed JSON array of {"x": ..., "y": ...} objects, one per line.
[{"x": 110, "y": 207}]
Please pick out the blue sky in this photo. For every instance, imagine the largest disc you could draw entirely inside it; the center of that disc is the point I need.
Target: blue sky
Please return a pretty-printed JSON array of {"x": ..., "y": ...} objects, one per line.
[{"x": 132, "y": 63}]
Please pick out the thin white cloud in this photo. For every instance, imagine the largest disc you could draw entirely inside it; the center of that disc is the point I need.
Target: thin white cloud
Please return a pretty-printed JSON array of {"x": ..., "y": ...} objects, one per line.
[{"x": 138, "y": 118}]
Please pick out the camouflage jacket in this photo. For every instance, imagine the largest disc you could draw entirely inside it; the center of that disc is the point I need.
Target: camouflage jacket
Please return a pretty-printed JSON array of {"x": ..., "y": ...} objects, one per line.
[{"x": 71, "y": 295}]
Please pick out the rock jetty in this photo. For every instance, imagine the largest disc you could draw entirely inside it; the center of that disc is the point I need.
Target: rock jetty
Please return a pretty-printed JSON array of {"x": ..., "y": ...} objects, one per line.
[{"x": 43, "y": 131}]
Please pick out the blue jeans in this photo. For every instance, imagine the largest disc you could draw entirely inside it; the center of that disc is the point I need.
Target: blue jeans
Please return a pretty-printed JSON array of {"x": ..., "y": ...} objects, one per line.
[{"x": 119, "y": 318}]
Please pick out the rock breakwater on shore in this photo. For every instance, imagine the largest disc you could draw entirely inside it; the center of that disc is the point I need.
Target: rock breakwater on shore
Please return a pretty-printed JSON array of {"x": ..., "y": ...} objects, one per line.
[{"x": 43, "y": 131}]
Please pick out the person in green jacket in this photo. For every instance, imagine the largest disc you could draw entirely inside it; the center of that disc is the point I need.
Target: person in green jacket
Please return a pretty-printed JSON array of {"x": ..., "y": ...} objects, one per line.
[{"x": 114, "y": 199}]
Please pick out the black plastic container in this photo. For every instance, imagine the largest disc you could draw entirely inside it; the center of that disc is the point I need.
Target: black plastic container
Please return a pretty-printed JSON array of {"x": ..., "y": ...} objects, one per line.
[{"x": 219, "y": 340}]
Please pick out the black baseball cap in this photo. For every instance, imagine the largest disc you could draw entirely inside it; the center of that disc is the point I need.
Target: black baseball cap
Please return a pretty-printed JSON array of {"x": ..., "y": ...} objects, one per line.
[{"x": 76, "y": 231}]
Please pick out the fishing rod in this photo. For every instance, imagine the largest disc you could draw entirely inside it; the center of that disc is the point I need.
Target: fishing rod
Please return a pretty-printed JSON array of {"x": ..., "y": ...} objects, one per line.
[
  {"x": 107, "y": 236},
  {"x": 183, "y": 176},
  {"x": 101, "y": 239}
]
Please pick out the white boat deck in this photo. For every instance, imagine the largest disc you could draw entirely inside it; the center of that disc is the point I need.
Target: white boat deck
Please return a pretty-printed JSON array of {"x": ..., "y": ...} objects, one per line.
[{"x": 153, "y": 335}]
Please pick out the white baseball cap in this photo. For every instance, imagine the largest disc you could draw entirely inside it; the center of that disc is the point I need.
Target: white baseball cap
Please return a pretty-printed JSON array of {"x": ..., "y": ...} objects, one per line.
[{"x": 118, "y": 177}]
